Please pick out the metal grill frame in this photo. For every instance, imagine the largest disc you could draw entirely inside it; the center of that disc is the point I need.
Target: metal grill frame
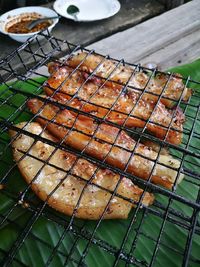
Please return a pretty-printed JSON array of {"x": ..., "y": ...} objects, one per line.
[{"x": 38, "y": 57}]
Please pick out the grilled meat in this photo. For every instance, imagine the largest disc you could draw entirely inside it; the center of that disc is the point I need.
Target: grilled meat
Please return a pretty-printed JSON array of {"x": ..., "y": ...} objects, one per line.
[
  {"x": 106, "y": 143},
  {"x": 62, "y": 190},
  {"x": 124, "y": 107},
  {"x": 104, "y": 68}
]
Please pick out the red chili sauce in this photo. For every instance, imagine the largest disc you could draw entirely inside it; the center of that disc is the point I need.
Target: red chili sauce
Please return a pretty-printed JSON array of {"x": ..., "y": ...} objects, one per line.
[{"x": 21, "y": 27}]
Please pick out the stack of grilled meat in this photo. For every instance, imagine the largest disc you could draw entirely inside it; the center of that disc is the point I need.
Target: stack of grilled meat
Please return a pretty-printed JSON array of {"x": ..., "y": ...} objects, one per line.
[{"x": 91, "y": 102}]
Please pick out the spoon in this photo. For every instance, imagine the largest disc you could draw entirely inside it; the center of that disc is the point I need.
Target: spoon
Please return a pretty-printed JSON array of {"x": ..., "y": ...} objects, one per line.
[
  {"x": 33, "y": 23},
  {"x": 73, "y": 11}
]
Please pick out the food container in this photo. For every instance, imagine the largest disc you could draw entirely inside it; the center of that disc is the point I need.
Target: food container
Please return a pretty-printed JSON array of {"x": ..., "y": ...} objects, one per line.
[{"x": 15, "y": 15}]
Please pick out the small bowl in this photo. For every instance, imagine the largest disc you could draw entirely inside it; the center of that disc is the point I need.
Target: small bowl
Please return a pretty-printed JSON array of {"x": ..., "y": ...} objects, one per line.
[{"x": 15, "y": 15}]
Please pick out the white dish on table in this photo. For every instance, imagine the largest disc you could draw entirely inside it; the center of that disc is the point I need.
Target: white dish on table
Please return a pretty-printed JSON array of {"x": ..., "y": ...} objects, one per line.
[
  {"x": 89, "y": 10},
  {"x": 15, "y": 13}
]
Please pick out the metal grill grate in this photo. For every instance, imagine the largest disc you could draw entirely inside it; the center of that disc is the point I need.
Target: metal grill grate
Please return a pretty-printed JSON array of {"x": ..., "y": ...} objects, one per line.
[{"x": 78, "y": 242}]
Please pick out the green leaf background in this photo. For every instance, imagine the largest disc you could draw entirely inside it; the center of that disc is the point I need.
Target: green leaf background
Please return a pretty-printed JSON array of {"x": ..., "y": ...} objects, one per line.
[{"x": 44, "y": 233}]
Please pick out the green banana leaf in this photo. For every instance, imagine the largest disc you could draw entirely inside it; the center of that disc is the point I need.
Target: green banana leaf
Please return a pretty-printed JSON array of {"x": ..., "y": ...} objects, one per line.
[{"x": 32, "y": 239}]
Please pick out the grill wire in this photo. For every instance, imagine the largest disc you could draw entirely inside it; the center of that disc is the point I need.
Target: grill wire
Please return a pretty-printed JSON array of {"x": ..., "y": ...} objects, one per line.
[{"x": 30, "y": 61}]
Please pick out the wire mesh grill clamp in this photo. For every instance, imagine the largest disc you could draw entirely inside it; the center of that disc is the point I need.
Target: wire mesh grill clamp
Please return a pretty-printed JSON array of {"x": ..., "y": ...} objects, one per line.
[{"x": 149, "y": 231}]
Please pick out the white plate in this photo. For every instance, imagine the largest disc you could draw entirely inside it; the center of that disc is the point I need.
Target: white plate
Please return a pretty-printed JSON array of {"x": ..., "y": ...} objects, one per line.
[{"x": 89, "y": 9}]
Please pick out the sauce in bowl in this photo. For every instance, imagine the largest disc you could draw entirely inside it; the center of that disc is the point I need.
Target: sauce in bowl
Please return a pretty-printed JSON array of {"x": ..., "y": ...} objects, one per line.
[
  {"x": 21, "y": 27},
  {"x": 19, "y": 24}
]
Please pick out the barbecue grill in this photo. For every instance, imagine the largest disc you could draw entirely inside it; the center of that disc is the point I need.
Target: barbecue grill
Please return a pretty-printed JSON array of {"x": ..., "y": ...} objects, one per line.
[{"x": 33, "y": 233}]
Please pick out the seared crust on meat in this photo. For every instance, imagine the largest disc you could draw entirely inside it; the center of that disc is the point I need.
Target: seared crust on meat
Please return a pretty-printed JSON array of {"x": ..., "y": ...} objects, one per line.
[
  {"x": 105, "y": 67},
  {"x": 127, "y": 107}
]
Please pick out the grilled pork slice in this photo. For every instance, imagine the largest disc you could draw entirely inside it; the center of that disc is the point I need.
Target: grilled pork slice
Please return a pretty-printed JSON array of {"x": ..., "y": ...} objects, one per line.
[
  {"x": 126, "y": 107},
  {"x": 106, "y": 143},
  {"x": 62, "y": 190},
  {"x": 105, "y": 68}
]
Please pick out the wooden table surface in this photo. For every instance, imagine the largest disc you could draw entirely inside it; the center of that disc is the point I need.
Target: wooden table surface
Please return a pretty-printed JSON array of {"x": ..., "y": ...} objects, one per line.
[
  {"x": 170, "y": 39},
  {"x": 131, "y": 13}
]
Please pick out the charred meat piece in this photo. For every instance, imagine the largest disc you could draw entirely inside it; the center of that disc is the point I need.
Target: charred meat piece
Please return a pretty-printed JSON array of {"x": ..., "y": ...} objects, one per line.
[
  {"x": 47, "y": 171},
  {"x": 124, "y": 107},
  {"x": 107, "y": 143},
  {"x": 105, "y": 68}
]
